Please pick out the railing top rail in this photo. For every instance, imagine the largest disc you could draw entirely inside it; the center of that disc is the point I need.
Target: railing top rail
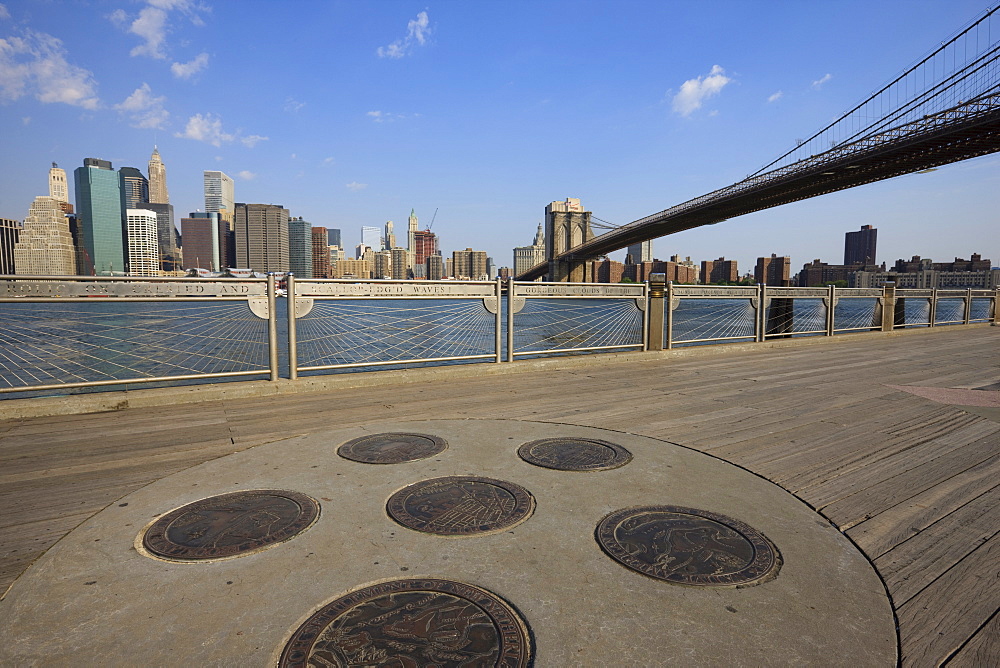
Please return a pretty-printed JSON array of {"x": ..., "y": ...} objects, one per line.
[
  {"x": 41, "y": 289},
  {"x": 532, "y": 289},
  {"x": 128, "y": 279},
  {"x": 300, "y": 281}
]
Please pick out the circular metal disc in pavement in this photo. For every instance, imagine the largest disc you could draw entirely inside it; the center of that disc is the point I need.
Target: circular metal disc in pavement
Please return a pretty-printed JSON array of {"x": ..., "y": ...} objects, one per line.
[
  {"x": 461, "y": 505},
  {"x": 688, "y": 546},
  {"x": 230, "y": 525},
  {"x": 403, "y": 623},
  {"x": 391, "y": 448},
  {"x": 574, "y": 454}
]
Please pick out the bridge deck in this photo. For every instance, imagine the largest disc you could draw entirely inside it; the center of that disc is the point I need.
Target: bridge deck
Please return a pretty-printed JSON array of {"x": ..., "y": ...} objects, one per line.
[{"x": 912, "y": 475}]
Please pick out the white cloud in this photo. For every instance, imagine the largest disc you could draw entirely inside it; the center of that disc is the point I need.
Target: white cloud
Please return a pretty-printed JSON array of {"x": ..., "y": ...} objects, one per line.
[
  {"x": 774, "y": 97},
  {"x": 694, "y": 92},
  {"x": 153, "y": 24},
  {"x": 354, "y": 186},
  {"x": 145, "y": 110},
  {"x": 4, "y": 14},
  {"x": 327, "y": 161},
  {"x": 819, "y": 82},
  {"x": 189, "y": 69},
  {"x": 35, "y": 64},
  {"x": 252, "y": 140},
  {"x": 247, "y": 176},
  {"x": 383, "y": 116},
  {"x": 292, "y": 105},
  {"x": 417, "y": 32},
  {"x": 26, "y": 120}
]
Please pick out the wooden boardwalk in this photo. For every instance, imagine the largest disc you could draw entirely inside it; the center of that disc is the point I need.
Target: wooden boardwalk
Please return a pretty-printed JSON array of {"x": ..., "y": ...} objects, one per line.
[{"x": 913, "y": 481}]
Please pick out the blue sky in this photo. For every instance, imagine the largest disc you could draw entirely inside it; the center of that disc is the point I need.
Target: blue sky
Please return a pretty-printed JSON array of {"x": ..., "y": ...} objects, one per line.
[{"x": 352, "y": 113}]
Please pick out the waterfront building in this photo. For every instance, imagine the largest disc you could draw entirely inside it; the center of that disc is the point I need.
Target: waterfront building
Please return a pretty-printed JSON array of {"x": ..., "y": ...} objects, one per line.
[
  {"x": 449, "y": 267},
  {"x": 371, "y": 237},
  {"x": 608, "y": 271},
  {"x": 348, "y": 268},
  {"x": 336, "y": 255},
  {"x": 382, "y": 264},
  {"x": 134, "y": 187},
  {"x": 157, "y": 179},
  {"x": 390, "y": 236},
  {"x": 988, "y": 279},
  {"x": 434, "y": 269},
  {"x": 261, "y": 234},
  {"x": 491, "y": 268},
  {"x": 58, "y": 186},
  {"x": 859, "y": 247},
  {"x": 526, "y": 257},
  {"x": 300, "y": 248},
  {"x": 399, "y": 261},
  {"x": 45, "y": 246},
  {"x": 320, "y": 253},
  {"x": 425, "y": 245},
  {"x": 773, "y": 270},
  {"x": 143, "y": 247},
  {"x": 167, "y": 236},
  {"x": 202, "y": 242},
  {"x": 100, "y": 216},
  {"x": 334, "y": 237},
  {"x": 820, "y": 274},
  {"x": 719, "y": 271},
  {"x": 640, "y": 252},
  {"x": 219, "y": 194},
  {"x": 505, "y": 274},
  {"x": 917, "y": 263},
  {"x": 9, "y": 231},
  {"x": 469, "y": 265}
]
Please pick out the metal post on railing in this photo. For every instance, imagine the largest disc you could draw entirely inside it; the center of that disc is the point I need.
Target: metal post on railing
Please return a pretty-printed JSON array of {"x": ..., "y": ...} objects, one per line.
[
  {"x": 933, "y": 307},
  {"x": 831, "y": 309},
  {"x": 761, "y": 312},
  {"x": 888, "y": 306},
  {"x": 293, "y": 341},
  {"x": 510, "y": 319},
  {"x": 272, "y": 327},
  {"x": 668, "y": 305},
  {"x": 498, "y": 321},
  {"x": 654, "y": 312},
  {"x": 967, "y": 316},
  {"x": 995, "y": 315}
]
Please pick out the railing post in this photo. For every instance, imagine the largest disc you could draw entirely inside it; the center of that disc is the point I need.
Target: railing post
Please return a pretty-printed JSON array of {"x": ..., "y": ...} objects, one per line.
[
  {"x": 933, "y": 307},
  {"x": 888, "y": 306},
  {"x": 759, "y": 315},
  {"x": 995, "y": 305},
  {"x": 967, "y": 316},
  {"x": 293, "y": 341},
  {"x": 668, "y": 305},
  {"x": 654, "y": 314},
  {"x": 831, "y": 309},
  {"x": 498, "y": 321},
  {"x": 510, "y": 319},
  {"x": 272, "y": 327}
]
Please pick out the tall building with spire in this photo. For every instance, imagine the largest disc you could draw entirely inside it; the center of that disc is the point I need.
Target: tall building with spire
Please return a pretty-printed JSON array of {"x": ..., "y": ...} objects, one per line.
[
  {"x": 526, "y": 257},
  {"x": 411, "y": 236},
  {"x": 157, "y": 179},
  {"x": 45, "y": 245},
  {"x": 390, "y": 235},
  {"x": 58, "y": 187}
]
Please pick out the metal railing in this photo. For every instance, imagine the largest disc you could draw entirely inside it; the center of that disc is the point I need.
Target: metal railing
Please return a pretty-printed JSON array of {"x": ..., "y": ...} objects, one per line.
[{"x": 81, "y": 332}]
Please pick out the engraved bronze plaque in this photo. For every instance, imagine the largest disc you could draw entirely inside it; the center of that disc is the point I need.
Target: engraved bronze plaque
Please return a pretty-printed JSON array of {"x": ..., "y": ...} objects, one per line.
[
  {"x": 461, "y": 506},
  {"x": 574, "y": 454},
  {"x": 391, "y": 448},
  {"x": 411, "y": 623},
  {"x": 688, "y": 546},
  {"x": 230, "y": 525}
]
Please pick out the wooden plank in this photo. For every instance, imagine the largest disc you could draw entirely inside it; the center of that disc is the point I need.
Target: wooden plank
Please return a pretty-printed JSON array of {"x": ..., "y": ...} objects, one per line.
[
  {"x": 982, "y": 649},
  {"x": 914, "y": 564},
  {"x": 937, "y": 621}
]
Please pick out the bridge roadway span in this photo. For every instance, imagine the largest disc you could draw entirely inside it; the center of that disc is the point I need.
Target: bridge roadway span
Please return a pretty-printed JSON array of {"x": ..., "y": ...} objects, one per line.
[{"x": 894, "y": 438}]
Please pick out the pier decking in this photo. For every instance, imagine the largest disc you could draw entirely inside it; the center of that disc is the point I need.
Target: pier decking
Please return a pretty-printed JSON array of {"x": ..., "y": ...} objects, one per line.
[{"x": 893, "y": 438}]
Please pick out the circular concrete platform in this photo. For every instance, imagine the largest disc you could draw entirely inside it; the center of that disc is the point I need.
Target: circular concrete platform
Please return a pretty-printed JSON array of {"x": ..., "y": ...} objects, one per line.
[{"x": 93, "y": 599}]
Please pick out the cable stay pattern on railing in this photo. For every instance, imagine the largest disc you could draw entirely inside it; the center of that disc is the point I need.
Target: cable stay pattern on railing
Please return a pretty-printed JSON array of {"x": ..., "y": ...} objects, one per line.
[
  {"x": 561, "y": 324},
  {"x": 806, "y": 315},
  {"x": 855, "y": 314},
  {"x": 79, "y": 343},
  {"x": 950, "y": 311},
  {"x": 351, "y": 332},
  {"x": 713, "y": 320}
]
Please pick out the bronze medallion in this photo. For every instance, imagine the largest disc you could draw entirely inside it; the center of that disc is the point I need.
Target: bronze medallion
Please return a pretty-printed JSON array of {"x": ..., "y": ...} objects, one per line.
[
  {"x": 391, "y": 448},
  {"x": 410, "y": 623},
  {"x": 688, "y": 546},
  {"x": 574, "y": 454},
  {"x": 230, "y": 525},
  {"x": 461, "y": 506}
]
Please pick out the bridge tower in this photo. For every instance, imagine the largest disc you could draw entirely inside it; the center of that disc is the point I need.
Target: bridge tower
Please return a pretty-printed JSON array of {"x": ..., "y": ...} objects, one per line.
[{"x": 567, "y": 225}]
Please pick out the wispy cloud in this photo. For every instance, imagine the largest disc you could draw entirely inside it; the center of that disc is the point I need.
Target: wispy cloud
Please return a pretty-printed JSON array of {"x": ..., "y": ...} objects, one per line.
[
  {"x": 822, "y": 80},
  {"x": 154, "y": 23},
  {"x": 26, "y": 120},
  {"x": 354, "y": 186},
  {"x": 292, "y": 105},
  {"x": 328, "y": 161},
  {"x": 208, "y": 128},
  {"x": 694, "y": 92},
  {"x": 417, "y": 32},
  {"x": 189, "y": 69},
  {"x": 252, "y": 140},
  {"x": 34, "y": 63},
  {"x": 4, "y": 14},
  {"x": 774, "y": 97},
  {"x": 145, "y": 110},
  {"x": 246, "y": 176}
]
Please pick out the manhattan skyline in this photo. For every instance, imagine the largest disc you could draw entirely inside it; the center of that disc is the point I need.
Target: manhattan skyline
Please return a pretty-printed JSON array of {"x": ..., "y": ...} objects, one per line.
[{"x": 353, "y": 114}]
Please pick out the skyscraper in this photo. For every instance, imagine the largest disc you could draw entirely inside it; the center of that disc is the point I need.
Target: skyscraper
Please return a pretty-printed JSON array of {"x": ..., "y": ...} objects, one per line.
[
  {"x": 425, "y": 245},
  {"x": 371, "y": 237},
  {"x": 773, "y": 270},
  {"x": 320, "y": 253},
  {"x": 390, "y": 235},
  {"x": 261, "y": 237},
  {"x": 640, "y": 252},
  {"x": 143, "y": 248},
  {"x": 201, "y": 241},
  {"x": 157, "y": 179},
  {"x": 400, "y": 262},
  {"x": 526, "y": 257},
  {"x": 333, "y": 236},
  {"x": 45, "y": 246},
  {"x": 719, "y": 271},
  {"x": 134, "y": 187},
  {"x": 411, "y": 236},
  {"x": 58, "y": 187},
  {"x": 219, "y": 193},
  {"x": 9, "y": 232},
  {"x": 99, "y": 215},
  {"x": 435, "y": 268},
  {"x": 859, "y": 247},
  {"x": 166, "y": 234},
  {"x": 300, "y": 250},
  {"x": 469, "y": 265}
]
